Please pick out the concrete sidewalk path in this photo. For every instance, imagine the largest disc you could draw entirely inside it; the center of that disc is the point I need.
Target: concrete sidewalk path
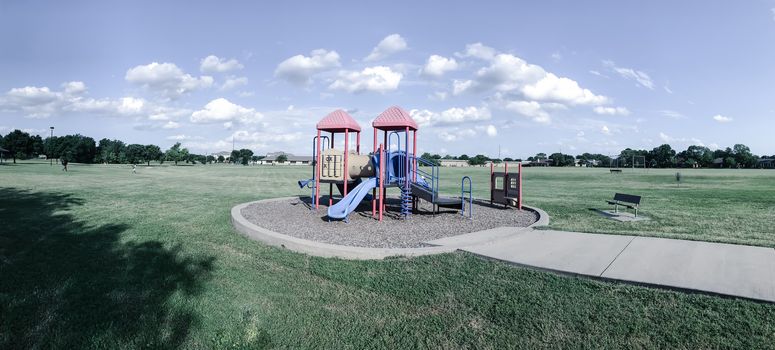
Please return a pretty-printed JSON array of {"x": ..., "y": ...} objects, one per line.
[{"x": 728, "y": 269}]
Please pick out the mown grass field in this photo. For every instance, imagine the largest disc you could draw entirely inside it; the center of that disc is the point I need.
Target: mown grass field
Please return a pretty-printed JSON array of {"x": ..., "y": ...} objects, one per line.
[
  {"x": 101, "y": 258},
  {"x": 718, "y": 205}
]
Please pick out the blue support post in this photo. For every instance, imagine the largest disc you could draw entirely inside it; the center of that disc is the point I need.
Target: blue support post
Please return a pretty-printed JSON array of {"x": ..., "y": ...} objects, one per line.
[{"x": 463, "y": 192}]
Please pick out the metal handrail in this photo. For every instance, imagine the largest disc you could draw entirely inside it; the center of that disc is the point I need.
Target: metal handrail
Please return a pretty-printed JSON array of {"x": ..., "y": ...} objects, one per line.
[
  {"x": 470, "y": 197},
  {"x": 433, "y": 175},
  {"x": 390, "y": 153}
]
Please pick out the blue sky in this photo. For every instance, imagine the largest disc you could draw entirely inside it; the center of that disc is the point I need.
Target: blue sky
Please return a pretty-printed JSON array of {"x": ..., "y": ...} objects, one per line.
[{"x": 527, "y": 77}]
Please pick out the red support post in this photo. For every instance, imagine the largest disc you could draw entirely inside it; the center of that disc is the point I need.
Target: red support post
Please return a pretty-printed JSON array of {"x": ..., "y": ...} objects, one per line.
[
  {"x": 414, "y": 153},
  {"x": 358, "y": 142},
  {"x": 492, "y": 183},
  {"x": 318, "y": 166},
  {"x": 374, "y": 190},
  {"x": 406, "y": 163},
  {"x": 346, "y": 172},
  {"x": 381, "y": 180},
  {"x": 519, "y": 198}
]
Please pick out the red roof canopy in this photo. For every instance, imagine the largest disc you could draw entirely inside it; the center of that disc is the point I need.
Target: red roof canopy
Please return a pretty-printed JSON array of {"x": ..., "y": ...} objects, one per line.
[
  {"x": 338, "y": 121},
  {"x": 394, "y": 118}
]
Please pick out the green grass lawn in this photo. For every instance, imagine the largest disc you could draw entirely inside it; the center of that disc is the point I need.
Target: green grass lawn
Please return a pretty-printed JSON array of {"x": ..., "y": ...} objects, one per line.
[
  {"x": 100, "y": 258},
  {"x": 718, "y": 205}
]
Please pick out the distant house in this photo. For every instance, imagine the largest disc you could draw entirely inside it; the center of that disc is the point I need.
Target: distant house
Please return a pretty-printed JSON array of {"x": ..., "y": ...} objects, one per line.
[
  {"x": 271, "y": 159},
  {"x": 226, "y": 156},
  {"x": 765, "y": 163},
  {"x": 3, "y": 151},
  {"x": 453, "y": 163},
  {"x": 540, "y": 162},
  {"x": 718, "y": 163}
]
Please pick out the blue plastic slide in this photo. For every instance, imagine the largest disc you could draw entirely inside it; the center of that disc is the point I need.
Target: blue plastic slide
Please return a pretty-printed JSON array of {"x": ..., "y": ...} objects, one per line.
[{"x": 342, "y": 208}]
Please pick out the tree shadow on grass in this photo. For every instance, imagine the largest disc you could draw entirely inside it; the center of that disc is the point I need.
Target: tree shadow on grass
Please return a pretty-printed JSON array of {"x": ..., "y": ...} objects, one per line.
[{"x": 67, "y": 284}]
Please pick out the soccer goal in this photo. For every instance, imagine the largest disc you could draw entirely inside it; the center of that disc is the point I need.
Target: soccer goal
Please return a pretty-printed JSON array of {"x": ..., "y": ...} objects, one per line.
[
  {"x": 639, "y": 162},
  {"x": 614, "y": 163}
]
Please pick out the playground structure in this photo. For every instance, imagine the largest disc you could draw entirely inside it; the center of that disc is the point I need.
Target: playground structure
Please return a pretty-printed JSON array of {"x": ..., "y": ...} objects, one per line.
[
  {"x": 505, "y": 187},
  {"x": 393, "y": 163}
]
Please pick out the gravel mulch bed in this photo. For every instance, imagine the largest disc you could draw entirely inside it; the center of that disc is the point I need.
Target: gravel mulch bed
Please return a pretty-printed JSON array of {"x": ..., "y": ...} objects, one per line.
[{"x": 293, "y": 217}]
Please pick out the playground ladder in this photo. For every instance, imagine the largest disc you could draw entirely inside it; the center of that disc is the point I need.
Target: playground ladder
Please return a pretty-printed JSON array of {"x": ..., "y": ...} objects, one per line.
[{"x": 402, "y": 174}]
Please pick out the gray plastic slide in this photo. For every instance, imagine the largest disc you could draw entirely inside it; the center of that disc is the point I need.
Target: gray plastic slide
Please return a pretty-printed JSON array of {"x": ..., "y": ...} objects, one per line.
[{"x": 342, "y": 208}]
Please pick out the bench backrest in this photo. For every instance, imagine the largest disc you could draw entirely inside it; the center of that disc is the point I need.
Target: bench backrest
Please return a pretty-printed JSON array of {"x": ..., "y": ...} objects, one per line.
[{"x": 627, "y": 198}]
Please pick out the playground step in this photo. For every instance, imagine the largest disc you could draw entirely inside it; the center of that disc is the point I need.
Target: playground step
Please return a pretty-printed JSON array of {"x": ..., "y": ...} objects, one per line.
[{"x": 478, "y": 238}]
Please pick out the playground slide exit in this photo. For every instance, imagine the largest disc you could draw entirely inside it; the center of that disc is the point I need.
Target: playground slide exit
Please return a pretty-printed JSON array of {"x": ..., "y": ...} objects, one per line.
[{"x": 342, "y": 208}]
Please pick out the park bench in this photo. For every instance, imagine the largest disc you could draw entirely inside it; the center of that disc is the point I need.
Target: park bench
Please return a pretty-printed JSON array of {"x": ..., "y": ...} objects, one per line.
[
  {"x": 616, "y": 170},
  {"x": 625, "y": 200}
]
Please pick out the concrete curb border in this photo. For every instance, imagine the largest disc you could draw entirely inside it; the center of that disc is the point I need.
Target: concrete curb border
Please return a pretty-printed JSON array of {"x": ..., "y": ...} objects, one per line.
[
  {"x": 543, "y": 217},
  {"x": 328, "y": 250}
]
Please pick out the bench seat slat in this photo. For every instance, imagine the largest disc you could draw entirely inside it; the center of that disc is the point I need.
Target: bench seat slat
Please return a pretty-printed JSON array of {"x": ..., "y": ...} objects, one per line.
[{"x": 627, "y": 198}]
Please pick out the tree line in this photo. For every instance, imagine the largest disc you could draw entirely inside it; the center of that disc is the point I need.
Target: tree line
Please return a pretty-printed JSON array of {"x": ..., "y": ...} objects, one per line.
[
  {"x": 663, "y": 156},
  {"x": 83, "y": 149}
]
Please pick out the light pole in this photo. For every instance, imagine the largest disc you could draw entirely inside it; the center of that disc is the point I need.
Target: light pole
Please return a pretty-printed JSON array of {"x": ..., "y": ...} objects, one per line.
[{"x": 51, "y": 160}]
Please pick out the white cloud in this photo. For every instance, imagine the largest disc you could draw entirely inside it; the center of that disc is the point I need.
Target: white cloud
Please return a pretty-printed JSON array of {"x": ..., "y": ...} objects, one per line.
[
  {"x": 389, "y": 45},
  {"x": 509, "y": 73},
  {"x": 171, "y": 125},
  {"x": 722, "y": 119},
  {"x": 605, "y": 130},
  {"x": 234, "y": 82},
  {"x": 377, "y": 79},
  {"x": 492, "y": 131},
  {"x": 594, "y": 72},
  {"x": 213, "y": 64},
  {"x": 422, "y": 117},
  {"x": 667, "y": 88},
  {"x": 299, "y": 69},
  {"x": 461, "y": 86},
  {"x": 439, "y": 95},
  {"x": 222, "y": 110},
  {"x": 672, "y": 114},
  {"x": 478, "y": 50},
  {"x": 166, "y": 79},
  {"x": 553, "y": 88},
  {"x": 260, "y": 136},
  {"x": 450, "y": 116},
  {"x": 131, "y": 105},
  {"x": 530, "y": 109},
  {"x": 664, "y": 137},
  {"x": 437, "y": 66},
  {"x": 32, "y": 95},
  {"x": 167, "y": 113},
  {"x": 183, "y": 137},
  {"x": 556, "y": 57},
  {"x": 456, "y": 134},
  {"x": 611, "y": 110},
  {"x": 41, "y": 102},
  {"x": 74, "y": 88},
  {"x": 641, "y": 78},
  {"x": 460, "y": 115}
]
